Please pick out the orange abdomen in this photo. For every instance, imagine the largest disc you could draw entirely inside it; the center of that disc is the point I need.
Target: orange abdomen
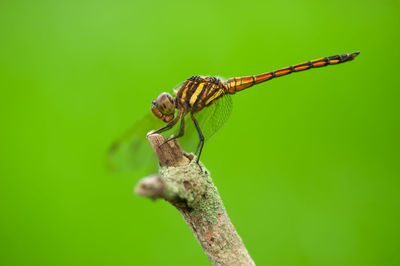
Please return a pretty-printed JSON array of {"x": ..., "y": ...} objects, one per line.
[{"x": 234, "y": 85}]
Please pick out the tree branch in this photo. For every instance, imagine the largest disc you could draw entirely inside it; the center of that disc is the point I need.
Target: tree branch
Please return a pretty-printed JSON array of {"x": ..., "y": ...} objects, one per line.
[{"x": 190, "y": 189}]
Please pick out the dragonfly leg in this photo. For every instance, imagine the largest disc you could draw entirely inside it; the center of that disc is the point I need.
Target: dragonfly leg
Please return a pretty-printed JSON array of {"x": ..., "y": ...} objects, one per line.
[
  {"x": 201, "y": 136},
  {"x": 181, "y": 131},
  {"x": 168, "y": 126}
]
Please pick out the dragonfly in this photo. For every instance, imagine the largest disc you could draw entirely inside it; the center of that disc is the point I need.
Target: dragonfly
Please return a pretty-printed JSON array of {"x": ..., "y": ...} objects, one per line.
[{"x": 205, "y": 103}]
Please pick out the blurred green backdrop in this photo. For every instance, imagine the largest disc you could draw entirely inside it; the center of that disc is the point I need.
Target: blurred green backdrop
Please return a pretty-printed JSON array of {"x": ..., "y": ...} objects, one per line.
[{"x": 308, "y": 164}]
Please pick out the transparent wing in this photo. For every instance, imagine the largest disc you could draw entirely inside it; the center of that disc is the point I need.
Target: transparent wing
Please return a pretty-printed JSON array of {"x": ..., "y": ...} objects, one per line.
[
  {"x": 132, "y": 150},
  {"x": 213, "y": 117},
  {"x": 210, "y": 119}
]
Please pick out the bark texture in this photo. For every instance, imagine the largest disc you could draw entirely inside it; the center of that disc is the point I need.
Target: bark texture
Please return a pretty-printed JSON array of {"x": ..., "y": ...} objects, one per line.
[{"x": 190, "y": 189}]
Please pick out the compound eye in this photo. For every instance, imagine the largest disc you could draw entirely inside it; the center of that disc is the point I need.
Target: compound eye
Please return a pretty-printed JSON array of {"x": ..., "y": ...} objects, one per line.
[
  {"x": 153, "y": 102},
  {"x": 170, "y": 98}
]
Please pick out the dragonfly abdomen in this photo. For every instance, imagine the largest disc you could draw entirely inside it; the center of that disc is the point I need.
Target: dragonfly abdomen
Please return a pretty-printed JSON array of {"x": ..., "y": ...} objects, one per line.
[{"x": 234, "y": 85}]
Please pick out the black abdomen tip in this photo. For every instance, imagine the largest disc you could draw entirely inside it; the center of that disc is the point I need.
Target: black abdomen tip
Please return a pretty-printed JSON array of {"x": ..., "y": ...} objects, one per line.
[{"x": 355, "y": 54}]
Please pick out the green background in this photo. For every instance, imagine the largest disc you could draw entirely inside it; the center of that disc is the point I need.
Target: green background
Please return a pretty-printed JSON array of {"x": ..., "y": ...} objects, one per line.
[{"x": 307, "y": 166}]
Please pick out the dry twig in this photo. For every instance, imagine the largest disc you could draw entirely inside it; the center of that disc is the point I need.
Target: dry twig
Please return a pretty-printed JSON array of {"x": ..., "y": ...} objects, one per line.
[{"x": 190, "y": 189}]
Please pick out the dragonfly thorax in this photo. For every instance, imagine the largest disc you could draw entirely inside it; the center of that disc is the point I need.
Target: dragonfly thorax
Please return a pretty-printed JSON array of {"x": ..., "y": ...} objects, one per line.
[{"x": 164, "y": 107}]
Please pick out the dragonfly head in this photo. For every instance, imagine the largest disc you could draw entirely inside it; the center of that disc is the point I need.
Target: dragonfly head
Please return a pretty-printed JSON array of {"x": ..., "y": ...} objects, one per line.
[{"x": 164, "y": 107}]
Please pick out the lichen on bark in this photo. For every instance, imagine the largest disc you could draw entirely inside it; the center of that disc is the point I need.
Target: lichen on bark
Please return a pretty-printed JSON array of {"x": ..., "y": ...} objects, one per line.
[{"x": 193, "y": 186}]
